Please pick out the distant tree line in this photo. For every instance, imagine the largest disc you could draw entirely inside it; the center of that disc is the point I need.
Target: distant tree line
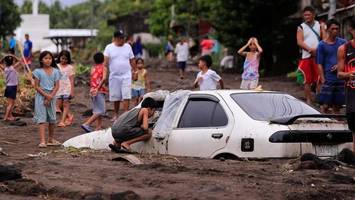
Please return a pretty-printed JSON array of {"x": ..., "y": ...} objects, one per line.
[{"x": 233, "y": 21}]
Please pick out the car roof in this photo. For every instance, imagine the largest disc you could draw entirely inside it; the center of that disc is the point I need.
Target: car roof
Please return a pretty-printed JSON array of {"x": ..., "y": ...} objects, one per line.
[{"x": 228, "y": 92}]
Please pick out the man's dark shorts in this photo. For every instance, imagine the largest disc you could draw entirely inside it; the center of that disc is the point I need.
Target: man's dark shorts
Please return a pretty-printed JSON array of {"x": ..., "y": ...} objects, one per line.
[
  {"x": 128, "y": 134},
  {"x": 181, "y": 65},
  {"x": 332, "y": 93},
  {"x": 350, "y": 107},
  {"x": 351, "y": 121}
]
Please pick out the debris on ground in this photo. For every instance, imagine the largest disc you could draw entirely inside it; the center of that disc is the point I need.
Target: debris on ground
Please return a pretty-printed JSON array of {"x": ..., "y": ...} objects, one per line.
[
  {"x": 40, "y": 154},
  {"x": 129, "y": 158},
  {"x": 347, "y": 156},
  {"x": 9, "y": 173},
  {"x": 3, "y": 153}
]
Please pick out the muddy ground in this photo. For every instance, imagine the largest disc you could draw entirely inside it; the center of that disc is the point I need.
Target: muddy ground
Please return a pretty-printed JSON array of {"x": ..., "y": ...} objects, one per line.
[{"x": 57, "y": 173}]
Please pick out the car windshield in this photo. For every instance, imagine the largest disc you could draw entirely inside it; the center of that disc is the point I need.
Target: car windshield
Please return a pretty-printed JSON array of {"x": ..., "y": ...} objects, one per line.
[{"x": 267, "y": 106}]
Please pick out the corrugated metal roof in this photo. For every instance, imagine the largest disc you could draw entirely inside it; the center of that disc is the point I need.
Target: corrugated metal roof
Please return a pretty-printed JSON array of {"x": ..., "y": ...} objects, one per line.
[{"x": 72, "y": 33}]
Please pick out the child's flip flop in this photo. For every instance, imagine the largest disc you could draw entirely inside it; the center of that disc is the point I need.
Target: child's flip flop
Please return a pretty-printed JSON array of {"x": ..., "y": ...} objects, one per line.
[
  {"x": 86, "y": 128},
  {"x": 61, "y": 124},
  {"x": 42, "y": 145},
  {"x": 54, "y": 143},
  {"x": 114, "y": 148}
]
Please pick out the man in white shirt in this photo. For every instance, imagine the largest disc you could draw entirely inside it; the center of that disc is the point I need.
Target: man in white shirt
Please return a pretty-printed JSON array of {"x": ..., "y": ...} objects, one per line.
[
  {"x": 182, "y": 54},
  {"x": 309, "y": 33},
  {"x": 120, "y": 60}
]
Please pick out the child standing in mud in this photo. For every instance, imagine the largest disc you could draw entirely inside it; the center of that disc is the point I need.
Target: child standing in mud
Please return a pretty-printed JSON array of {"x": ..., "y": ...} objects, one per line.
[
  {"x": 140, "y": 84},
  {"x": 66, "y": 88},
  {"x": 98, "y": 90},
  {"x": 11, "y": 78},
  {"x": 46, "y": 84},
  {"x": 250, "y": 76},
  {"x": 207, "y": 79}
]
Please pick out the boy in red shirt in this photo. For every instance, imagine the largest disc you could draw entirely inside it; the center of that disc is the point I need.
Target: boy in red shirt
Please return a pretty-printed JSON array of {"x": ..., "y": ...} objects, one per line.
[{"x": 97, "y": 92}]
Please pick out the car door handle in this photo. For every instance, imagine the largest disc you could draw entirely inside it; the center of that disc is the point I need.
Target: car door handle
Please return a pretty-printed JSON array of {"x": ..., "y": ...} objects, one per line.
[{"x": 217, "y": 135}]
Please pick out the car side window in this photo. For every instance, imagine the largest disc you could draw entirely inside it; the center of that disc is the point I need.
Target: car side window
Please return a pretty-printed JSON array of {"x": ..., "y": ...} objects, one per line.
[{"x": 200, "y": 112}]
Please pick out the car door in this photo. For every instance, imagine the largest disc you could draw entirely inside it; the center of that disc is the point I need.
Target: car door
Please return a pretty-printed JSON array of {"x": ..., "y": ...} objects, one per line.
[{"x": 203, "y": 127}]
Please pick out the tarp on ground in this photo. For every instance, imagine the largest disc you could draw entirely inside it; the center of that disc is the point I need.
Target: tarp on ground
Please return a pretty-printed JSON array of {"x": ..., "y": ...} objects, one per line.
[{"x": 171, "y": 105}]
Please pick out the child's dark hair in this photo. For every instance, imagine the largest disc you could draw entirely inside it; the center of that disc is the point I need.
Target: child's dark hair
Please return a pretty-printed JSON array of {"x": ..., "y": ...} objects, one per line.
[
  {"x": 44, "y": 54},
  {"x": 331, "y": 22},
  {"x": 206, "y": 59},
  {"x": 99, "y": 58},
  {"x": 149, "y": 103},
  {"x": 139, "y": 59},
  {"x": 310, "y": 9},
  {"x": 8, "y": 60},
  {"x": 66, "y": 54}
]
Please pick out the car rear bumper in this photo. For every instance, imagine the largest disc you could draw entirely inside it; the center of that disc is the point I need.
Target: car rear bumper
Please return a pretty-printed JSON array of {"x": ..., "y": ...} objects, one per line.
[{"x": 312, "y": 136}]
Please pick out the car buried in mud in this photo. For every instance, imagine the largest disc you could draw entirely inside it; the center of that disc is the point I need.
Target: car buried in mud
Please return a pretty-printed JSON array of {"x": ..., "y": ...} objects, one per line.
[{"x": 235, "y": 123}]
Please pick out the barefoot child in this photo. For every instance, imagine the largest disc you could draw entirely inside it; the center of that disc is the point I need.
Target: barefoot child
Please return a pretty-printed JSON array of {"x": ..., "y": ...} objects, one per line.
[
  {"x": 132, "y": 126},
  {"x": 207, "y": 79},
  {"x": 11, "y": 78},
  {"x": 140, "y": 82},
  {"x": 250, "y": 74},
  {"x": 47, "y": 78},
  {"x": 97, "y": 92},
  {"x": 66, "y": 88}
]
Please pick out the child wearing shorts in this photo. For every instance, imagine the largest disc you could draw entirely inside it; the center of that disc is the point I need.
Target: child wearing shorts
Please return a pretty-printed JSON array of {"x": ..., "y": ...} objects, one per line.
[
  {"x": 250, "y": 76},
  {"x": 46, "y": 84},
  {"x": 140, "y": 84},
  {"x": 11, "y": 78},
  {"x": 66, "y": 88},
  {"x": 98, "y": 90}
]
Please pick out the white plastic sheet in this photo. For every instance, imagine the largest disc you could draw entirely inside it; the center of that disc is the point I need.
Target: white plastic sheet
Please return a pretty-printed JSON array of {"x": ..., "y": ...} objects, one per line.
[{"x": 172, "y": 103}]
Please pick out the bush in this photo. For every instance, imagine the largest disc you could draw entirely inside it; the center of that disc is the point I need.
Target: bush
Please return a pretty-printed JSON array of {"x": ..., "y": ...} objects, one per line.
[
  {"x": 81, "y": 69},
  {"x": 153, "y": 49}
]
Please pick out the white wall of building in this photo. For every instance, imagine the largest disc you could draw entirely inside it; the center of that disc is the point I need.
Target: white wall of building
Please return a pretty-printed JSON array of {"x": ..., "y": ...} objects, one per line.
[{"x": 37, "y": 26}]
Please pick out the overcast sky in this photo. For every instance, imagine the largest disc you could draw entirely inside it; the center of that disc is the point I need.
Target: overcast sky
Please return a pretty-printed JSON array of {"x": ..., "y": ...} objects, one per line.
[{"x": 63, "y": 2}]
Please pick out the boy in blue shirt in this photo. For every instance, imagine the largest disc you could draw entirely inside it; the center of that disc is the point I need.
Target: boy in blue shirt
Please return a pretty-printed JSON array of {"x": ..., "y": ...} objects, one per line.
[
  {"x": 332, "y": 89},
  {"x": 27, "y": 50}
]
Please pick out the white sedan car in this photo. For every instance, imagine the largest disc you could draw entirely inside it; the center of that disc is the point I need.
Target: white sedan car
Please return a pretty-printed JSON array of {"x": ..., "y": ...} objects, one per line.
[{"x": 236, "y": 123}]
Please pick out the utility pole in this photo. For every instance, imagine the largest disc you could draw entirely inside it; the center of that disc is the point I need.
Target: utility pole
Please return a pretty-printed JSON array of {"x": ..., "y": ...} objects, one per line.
[
  {"x": 92, "y": 2},
  {"x": 34, "y": 7},
  {"x": 332, "y": 8}
]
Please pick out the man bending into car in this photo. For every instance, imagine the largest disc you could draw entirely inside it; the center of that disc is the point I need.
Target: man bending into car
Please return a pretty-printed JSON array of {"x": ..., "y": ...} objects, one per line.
[
  {"x": 132, "y": 126},
  {"x": 346, "y": 70}
]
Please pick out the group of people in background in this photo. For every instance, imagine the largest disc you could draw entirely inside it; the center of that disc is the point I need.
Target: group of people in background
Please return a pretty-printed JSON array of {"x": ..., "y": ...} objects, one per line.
[{"x": 328, "y": 64}]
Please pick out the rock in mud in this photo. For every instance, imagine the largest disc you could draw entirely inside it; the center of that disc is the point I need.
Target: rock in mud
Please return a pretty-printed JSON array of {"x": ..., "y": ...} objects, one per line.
[
  {"x": 9, "y": 173},
  {"x": 347, "y": 156},
  {"x": 127, "y": 195},
  {"x": 342, "y": 179},
  {"x": 311, "y": 161}
]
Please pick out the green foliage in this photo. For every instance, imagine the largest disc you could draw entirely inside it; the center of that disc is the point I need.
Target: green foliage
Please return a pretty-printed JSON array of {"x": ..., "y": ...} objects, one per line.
[
  {"x": 160, "y": 17},
  {"x": 9, "y": 17},
  {"x": 186, "y": 13},
  {"x": 2, "y": 83},
  {"x": 82, "y": 69},
  {"x": 111, "y": 10},
  {"x": 84, "y": 15},
  {"x": 153, "y": 49},
  {"x": 236, "y": 22}
]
